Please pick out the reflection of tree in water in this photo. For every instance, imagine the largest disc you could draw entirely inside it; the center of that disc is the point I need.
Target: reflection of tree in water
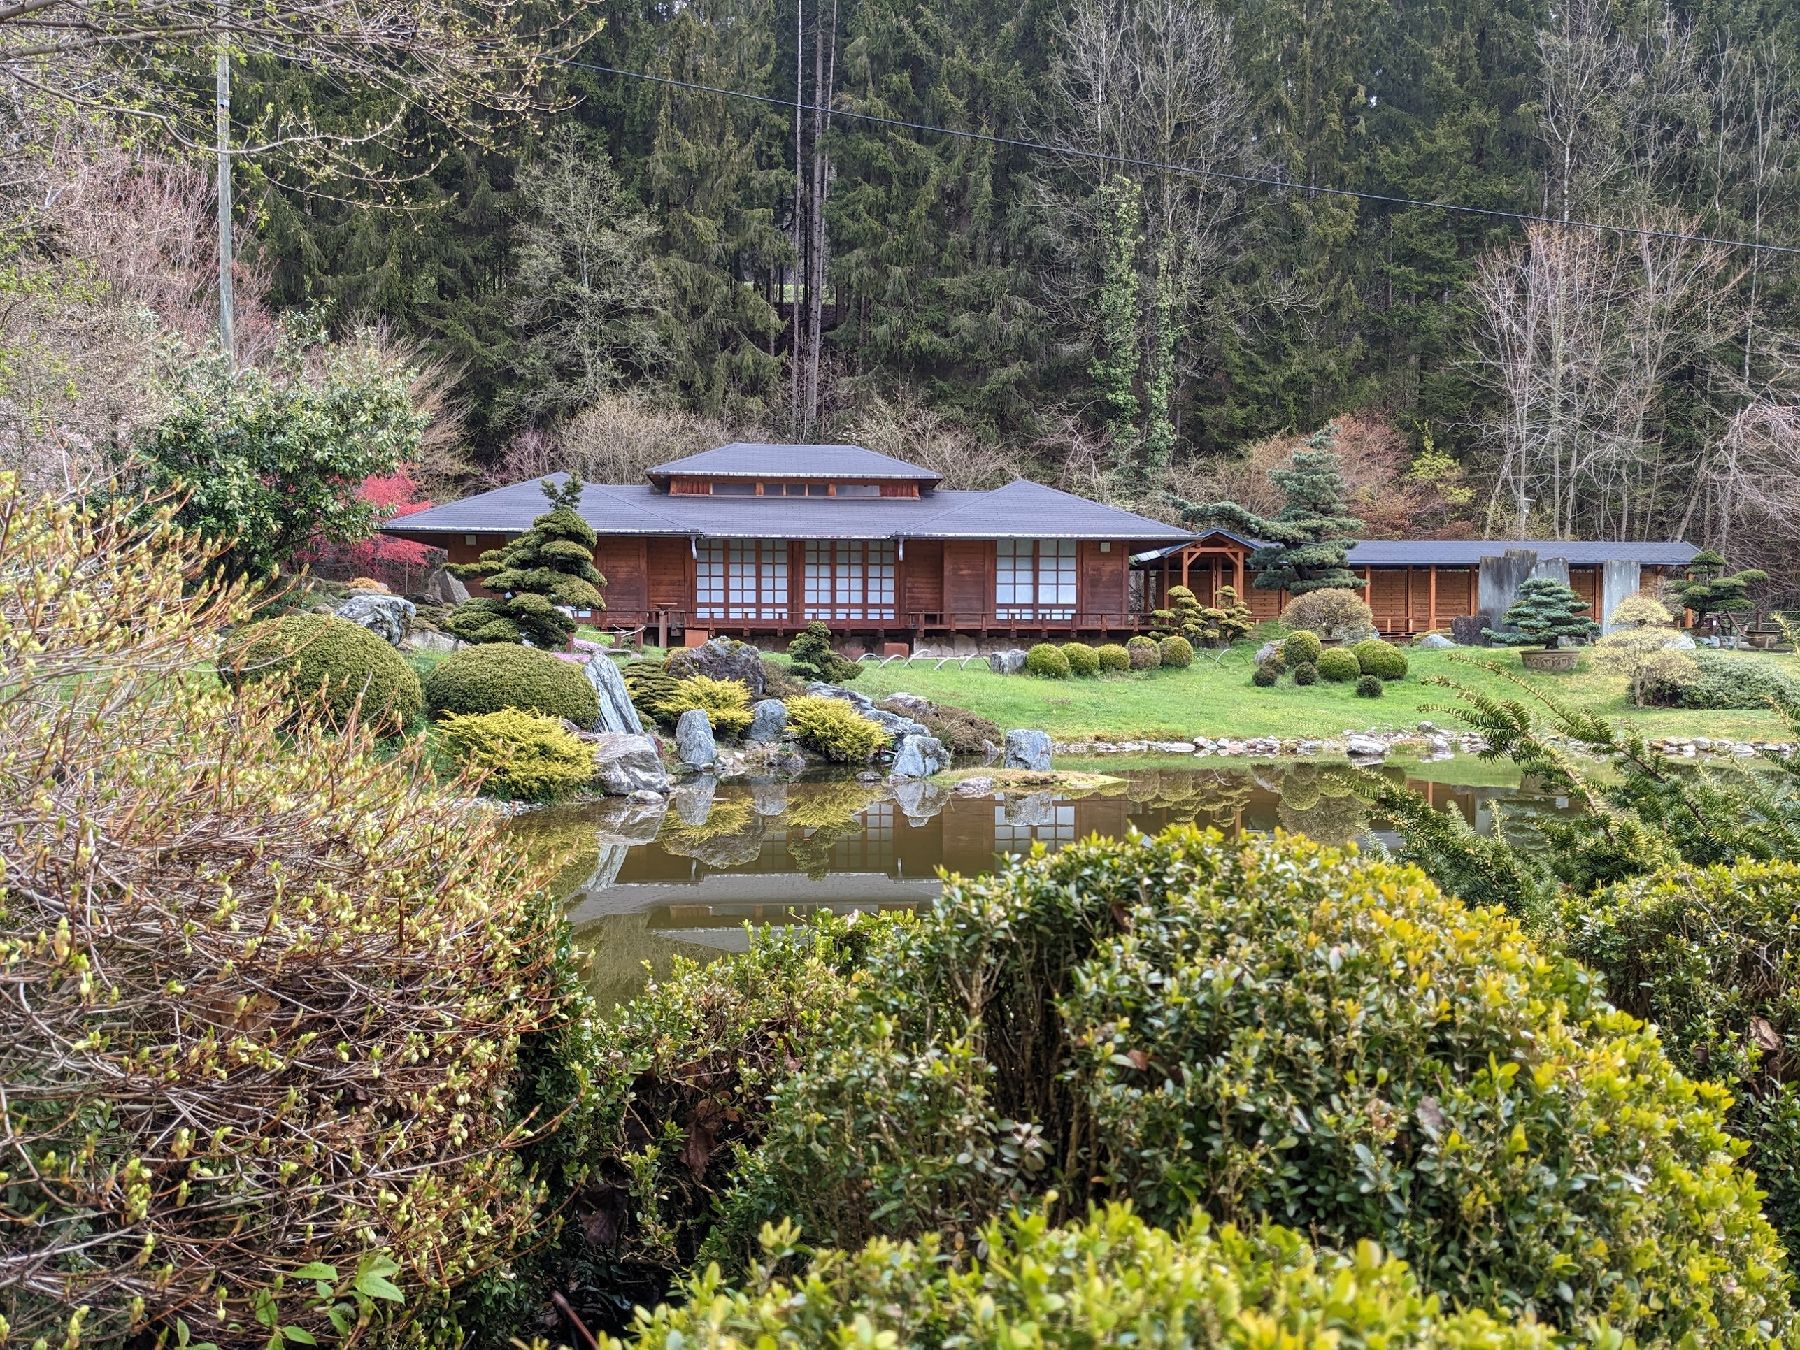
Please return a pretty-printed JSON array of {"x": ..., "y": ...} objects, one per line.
[
  {"x": 560, "y": 837},
  {"x": 731, "y": 834},
  {"x": 1207, "y": 797},
  {"x": 1321, "y": 802},
  {"x": 821, "y": 814}
]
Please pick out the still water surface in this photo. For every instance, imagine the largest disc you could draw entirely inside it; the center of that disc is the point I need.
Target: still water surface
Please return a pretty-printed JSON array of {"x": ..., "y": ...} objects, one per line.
[{"x": 647, "y": 883}]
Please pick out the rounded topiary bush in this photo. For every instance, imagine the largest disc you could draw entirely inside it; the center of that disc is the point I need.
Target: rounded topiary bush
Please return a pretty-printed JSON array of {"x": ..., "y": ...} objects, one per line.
[
  {"x": 1337, "y": 614},
  {"x": 1083, "y": 660},
  {"x": 1047, "y": 661},
  {"x": 1110, "y": 1279},
  {"x": 1274, "y": 1028},
  {"x": 1266, "y": 676},
  {"x": 498, "y": 675},
  {"x": 1113, "y": 657},
  {"x": 1381, "y": 659},
  {"x": 1301, "y": 648},
  {"x": 1177, "y": 652},
  {"x": 1338, "y": 665},
  {"x": 1306, "y": 673},
  {"x": 1145, "y": 653},
  {"x": 1370, "y": 686},
  {"x": 1711, "y": 955},
  {"x": 331, "y": 665}
]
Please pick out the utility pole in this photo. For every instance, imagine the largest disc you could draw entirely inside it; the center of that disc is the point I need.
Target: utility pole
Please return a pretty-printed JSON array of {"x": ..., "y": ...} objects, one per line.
[{"x": 222, "y": 137}]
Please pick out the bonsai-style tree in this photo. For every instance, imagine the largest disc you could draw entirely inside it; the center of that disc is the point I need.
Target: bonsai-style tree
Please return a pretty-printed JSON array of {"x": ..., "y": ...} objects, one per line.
[
  {"x": 540, "y": 576},
  {"x": 812, "y": 657},
  {"x": 1545, "y": 613},
  {"x": 1308, "y": 540},
  {"x": 1715, "y": 596},
  {"x": 1184, "y": 616},
  {"x": 1229, "y": 620}
]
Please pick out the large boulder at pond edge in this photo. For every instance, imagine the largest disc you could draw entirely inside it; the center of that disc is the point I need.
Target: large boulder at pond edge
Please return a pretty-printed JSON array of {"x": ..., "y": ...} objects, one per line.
[
  {"x": 721, "y": 659},
  {"x": 389, "y": 617},
  {"x": 1027, "y": 750},
  {"x": 624, "y": 764},
  {"x": 616, "y": 711},
  {"x": 768, "y": 719},
  {"x": 919, "y": 757},
  {"x": 694, "y": 744},
  {"x": 1009, "y": 662}
]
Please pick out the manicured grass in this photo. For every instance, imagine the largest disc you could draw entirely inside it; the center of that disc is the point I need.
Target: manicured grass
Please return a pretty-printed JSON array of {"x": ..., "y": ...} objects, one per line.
[{"x": 1216, "y": 699}]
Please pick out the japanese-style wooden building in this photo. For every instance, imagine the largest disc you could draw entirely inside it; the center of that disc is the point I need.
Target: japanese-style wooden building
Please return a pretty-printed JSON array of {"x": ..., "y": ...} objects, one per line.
[
  {"x": 758, "y": 540},
  {"x": 1421, "y": 585}
]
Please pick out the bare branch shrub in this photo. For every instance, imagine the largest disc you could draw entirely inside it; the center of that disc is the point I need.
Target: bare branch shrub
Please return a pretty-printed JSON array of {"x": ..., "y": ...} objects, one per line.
[{"x": 260, "y": 991}]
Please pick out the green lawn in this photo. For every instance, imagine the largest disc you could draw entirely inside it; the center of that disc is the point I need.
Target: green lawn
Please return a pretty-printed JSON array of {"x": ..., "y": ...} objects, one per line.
[{"x": 1217, "y": 699}]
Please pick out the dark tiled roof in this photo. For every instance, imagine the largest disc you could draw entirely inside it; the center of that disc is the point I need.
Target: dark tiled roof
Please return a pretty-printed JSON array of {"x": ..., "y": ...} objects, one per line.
[
  {"x": 762, "y": 459},
  {"x": 1470, "y": 552},
  {"x": 1019, "y": 510}
]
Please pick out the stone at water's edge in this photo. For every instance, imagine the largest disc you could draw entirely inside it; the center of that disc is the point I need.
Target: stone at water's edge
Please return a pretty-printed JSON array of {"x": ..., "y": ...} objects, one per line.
[
  {"x": 693, "y": 800},
  {"x": 1009, "y": 662},
  {"x": 624, "y": 764},
  {"x": 694, "y": 744},
  {"x": 919, "y": 757},
  {"x": 768, "y": 719},
  {"x": 721, "y": 659},
  {"x": 389, "y": 617},
  {"x": 918, "y": 800},
  {"x": 1027, "y": 749},
  {"x": 1365, "y": 747},
  {"x": 616, "y": 712}
]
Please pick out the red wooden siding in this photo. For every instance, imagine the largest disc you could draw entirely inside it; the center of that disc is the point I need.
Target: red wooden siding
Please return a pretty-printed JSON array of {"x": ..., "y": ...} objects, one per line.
[
  {"x": 922, "y": 577},
  {"x": 968, "y": 576},
  {"x": 621, "y": 562},
  {"x": 1104, "y": 579},
  {"x": 669, "y": 569}
]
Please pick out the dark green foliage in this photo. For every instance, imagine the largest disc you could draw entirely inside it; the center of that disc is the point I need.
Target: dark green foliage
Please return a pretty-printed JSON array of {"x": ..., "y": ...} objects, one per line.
[
  {"x": 547, "y": 569},
  {"x": 1715, "y": 596},
  {"x": 1546, "y": 614},
  {"x": 1177, "y": 652},
  {"x": 1382, "y": 659},
  {"x": 1083, "y": 660},
  {"x": 1047, "y": 661},
  {"x": 1266, "y": 676},
  {"x": 812, "y": 657},
  {"x": 1306, "y": 673},
  {"x": 1112, "y": 1279},
  {"x": 1297, "y": 648},
  {"x": 502, "y": 675},
  {"x": 1114, "y": 658},
  {"x": 1370, "y": 686},
  {"x": 1310, "y": 537},
  {"x": 331, "y": 666},
  {"x": 1731, "y": 682},
  {"x": 267, "y": 460},
  {"x": 1145, "y": 653},
  {"x": 1063, "y": 1026},
  {"x": 1639, "y": 812},
  {"x": 962, "y": 732},
  {"x": 1338, "y": 665},
  {"x": 1712, "y": 957}
]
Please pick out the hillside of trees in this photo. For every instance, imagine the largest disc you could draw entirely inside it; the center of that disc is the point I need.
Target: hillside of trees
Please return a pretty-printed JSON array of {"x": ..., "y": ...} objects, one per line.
[{"x": 1167, "y": 252}]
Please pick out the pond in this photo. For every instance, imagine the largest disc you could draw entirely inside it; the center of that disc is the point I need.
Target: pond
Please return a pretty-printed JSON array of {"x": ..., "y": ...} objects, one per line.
[{"x": 646, "y": 883}]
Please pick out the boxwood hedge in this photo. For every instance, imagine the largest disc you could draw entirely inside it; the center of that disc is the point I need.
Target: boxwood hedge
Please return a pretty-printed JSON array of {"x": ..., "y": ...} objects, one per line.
[
  {"x": 1274, "y": 1030},
  {"x": 1109, "y": 1280},
  {"x": 330, "y": 664}
]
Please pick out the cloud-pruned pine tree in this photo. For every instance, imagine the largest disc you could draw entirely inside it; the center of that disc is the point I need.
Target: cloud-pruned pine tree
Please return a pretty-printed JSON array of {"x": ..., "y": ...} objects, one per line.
[{"x": 537, "y": 578}]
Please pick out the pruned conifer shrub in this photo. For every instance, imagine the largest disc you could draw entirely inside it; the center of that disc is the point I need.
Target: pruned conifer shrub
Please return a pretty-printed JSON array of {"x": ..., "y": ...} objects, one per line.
[
  {"x": 1338, "y": 665},
  {"x": 812, "y": 657},
  {"x": 1381, "y": 659},
  {"x": 1266, "y": 676},
  {"x": 523, "y": 756},
  {"x": 1083, "y": 660},
  {"x": 832, "y": 728},
  {"x": 1370, "y": 686},
  {"x": 1177, "y": 652},
  {"x": 1301, "y": 648},
  {"x": 1114, "y": 659},
  {"x": 1047, "y": 661},
  {"x": 1145, "y": 652},
  {"x": 1306, "y": 673}
]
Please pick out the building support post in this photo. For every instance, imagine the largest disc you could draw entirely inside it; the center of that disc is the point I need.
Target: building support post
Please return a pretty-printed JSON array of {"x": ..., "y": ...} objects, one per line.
[{"x": 1431, "y": 597}]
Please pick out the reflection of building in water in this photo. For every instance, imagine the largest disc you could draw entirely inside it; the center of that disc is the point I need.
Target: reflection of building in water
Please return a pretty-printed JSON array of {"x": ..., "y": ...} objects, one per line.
[{"x": 688, "y": 885}]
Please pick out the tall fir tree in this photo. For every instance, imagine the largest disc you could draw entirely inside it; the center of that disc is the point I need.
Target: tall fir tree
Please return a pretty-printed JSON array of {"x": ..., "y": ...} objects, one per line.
[{"x": 1306, "y": 543}]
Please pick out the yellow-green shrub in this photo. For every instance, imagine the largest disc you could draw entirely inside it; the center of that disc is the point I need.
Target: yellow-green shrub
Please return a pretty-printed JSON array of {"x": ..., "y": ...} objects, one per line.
[
  {"x": 834, "y": 729},
  {"x": 1338, "y": 665},
  {"x": 1381, "y": 659},
  {"x": 1114, "y": 659},
  {"x": 1083, "y": 660},
  {"x": 1301, "y": 648},
  {"x": 1047, "y": 661},
  {"x": 1111, "y": 1279},
  {"x": 726, "y": 703},
  {"x": 1177, "y": 652},
  {"x": 328, "y": 665},
  {"x": 1143, "y": 652},
  {"x": 278, "y": 983},
  {"x": 521, "y": 755}
]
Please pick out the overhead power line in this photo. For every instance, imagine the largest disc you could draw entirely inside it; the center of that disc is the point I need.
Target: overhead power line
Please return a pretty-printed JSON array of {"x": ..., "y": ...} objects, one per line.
[{"x": 1186, "y": 170}]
